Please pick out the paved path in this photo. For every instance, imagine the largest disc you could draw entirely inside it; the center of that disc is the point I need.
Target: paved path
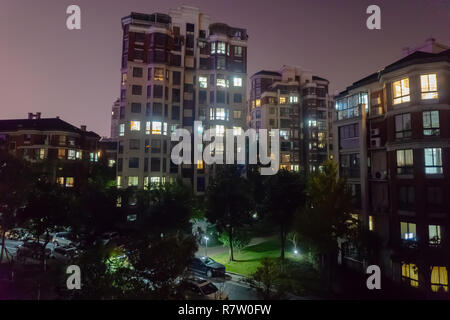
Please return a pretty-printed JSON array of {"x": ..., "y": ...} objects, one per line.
[{"x": 212, "y": 251}]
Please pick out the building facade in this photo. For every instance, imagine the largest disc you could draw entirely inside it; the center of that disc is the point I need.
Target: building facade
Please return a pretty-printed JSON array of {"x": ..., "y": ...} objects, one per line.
[
  {"x": 392, "y": 142},
  {"x": 65, "y": 149},
  {"x": 296, "y": 102},
  {"x": 177, "y": 68}
]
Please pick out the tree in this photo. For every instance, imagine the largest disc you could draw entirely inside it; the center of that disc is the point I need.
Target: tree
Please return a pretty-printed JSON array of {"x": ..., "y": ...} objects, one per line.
[
  {"x": 326, "y": 218},
  {"x": 267, "y": 280},
  {"x": 14, "y": 185},
  {"x": 285, "y": 195},
  {"x": 229, "y": 203},
  {"x": 241, "y": 239}
]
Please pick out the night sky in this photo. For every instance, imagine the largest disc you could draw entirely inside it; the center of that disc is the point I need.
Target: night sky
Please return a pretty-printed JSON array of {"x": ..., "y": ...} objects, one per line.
[{"x": 76, "y": 74}]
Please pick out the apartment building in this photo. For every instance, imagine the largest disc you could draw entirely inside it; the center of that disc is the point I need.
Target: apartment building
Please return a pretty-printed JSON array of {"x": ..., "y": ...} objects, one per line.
[
  {"x": 177, "y": 68},
  {"x": 392, "y": 142},
  {"x": 296, "y": 102},
  {"x": 66, "y": 150}
]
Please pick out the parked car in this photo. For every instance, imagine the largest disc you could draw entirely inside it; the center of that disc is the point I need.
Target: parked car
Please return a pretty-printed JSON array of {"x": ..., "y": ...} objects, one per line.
[
  {"x": 64, "y": 239},
  {"x": 65, "y": 254},
  {"x": 107, "y": 237},
  {"x": 207, "y": 266},
  {"x": 18, "y": 234},
  {"x": 32, "y": 250},
  {"x": 201, "y": 289}
]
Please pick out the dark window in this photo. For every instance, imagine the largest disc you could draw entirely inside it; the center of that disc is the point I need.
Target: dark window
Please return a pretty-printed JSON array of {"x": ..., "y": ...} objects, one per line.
[
  {"x": 133, "y": 163},
  {"x": 175, "y": 113},
  {"x": 435, "y": 196},
  {"x": 176, "y": 78},
  {"x": 157, "y": 109},
  {"x": 403, "y": 126},
  {"x": 157, "y": 91},
  {"x": 156, "y": 146},
  {"x": 120, "y": 164},
  {"x": 202, "y": 97},
  {"x": 204, "y": 63},
  {"x": 155, "y": 164},
  {"x": 190, "y": 27},
  {"x": 147, "y": 110},
  {"x": 176, "y": 60},
  {"x": 136, "y": 90},
  {"x": 146, "y": 165},
  {"x": 136, "y": 107},
  {"x": 175, "y": 95},
  {"x": 406, "y": 197},
  {"x": 201, "y": 184},
  {"x": 122, "y": 112},
  {"x": 237, "y": 98},
  {"x": 220, "y": 97},
  {"x": 349, "y": 165},
  {"x": 211, "y": 97},
  {"x": 149, "y": 91},
  {"x": 147, "y": 145},
  {"x": 134, "y": 144},
  {"x": 349, "y": 136},
  {"x": 137, "y": 72},
  {"x": 202, "y": 34}
]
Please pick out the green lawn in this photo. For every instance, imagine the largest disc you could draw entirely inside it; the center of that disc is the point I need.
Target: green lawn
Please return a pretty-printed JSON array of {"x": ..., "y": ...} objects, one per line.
[{"x": 249, "y": 259}]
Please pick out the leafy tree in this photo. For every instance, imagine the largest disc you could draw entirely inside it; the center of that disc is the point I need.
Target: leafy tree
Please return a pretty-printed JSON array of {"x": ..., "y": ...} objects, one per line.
[
  {"x": 327, "y": 216},
  {"x": 267, "y": 280},
  {"x": 241, "y": 239},
  {"x": 14, "y": 185},
  {"x": 285, "y": 195},
  {"x": 229, "y": 203}
]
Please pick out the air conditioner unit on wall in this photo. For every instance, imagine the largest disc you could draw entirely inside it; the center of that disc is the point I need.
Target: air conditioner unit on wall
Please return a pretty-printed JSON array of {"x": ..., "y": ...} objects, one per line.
[
  {"x": 380, "y": 174},
  {"x": 374, "y": 132},
  {"x": 375, "y": 142}
]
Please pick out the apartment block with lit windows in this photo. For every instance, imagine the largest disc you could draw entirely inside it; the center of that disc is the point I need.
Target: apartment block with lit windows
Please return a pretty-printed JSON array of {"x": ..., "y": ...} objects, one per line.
[
  {"x": 177, "y": 68},
  {"x": 66, "y": 150},
  {"x": 296, "y": 102},
  {"x": 392, "y": 142}
]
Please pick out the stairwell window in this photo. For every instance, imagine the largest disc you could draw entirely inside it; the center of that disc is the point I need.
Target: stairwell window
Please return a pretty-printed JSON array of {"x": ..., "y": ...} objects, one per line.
[
  {"x": 431, "y": 123},
  {"x": 401, "y": 91},
  {"x": 428, "y": 84},
  {"x": 433, "y": 160}
]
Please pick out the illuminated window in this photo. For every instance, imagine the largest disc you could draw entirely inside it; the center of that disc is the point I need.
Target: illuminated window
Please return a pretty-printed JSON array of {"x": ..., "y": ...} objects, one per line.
[
  {"x": 199, "y": 164},
  {"x": 146, "y": 183},
  {"x": 434, "y": 234},
  {"x": 371, "y": 223},
  {"x": 211, "y": 114},
  {"x": 405, "y": 161},
  {"x": 237, "y": 51},
  {"x": 428, "y": 85},
  {"x": 147, "y": 127},
  {"x": 293, "y": 99},
  {"x": 111, "y": 163},
  {"x": 165, "y": 128},
  {"x": 156, "y": 127},
  {"x": 220, "y": 114},
  {"x": 439, "y": 279},
  {"x": 237, "y": 131},
  {"x": 253, "y": 104},
  {"x": 431, "y": 123},
  {"x": 312, "y": 123},
  {"x": 60, "y": 180},
  {"x": 42, "y": 154},
  {"x": 237, "y": 82},
  {"x": 237, "y": 114},
  {"x": 135, "y": 125},
  {"x": 154, "y": 181},
  {"x": 121, "y": 129},
  {"x": 410, "y": 274},
  {"x": 79, "y": 154},
  {"x": 282, "y": 100},
  {"x": 119, "y": 182},
  {"x": 258, "y": 102},
  {"x": 69, "y": 182},
  {"x": 401, "y": 91},
  {"x": 408, "y": 231},
  {"x": 433, "y": 160},
  {"x": 61, "y": 153},
  {"x": 221, "y": 47},
  {"x": 124, "y": 78},
  {"x": 203, "y": 81},
  {"x": 159, "y": 74},
  {"x": 62, "y": 140},
  {"x": 133, "y": 181},
  {"x": 213, "y": 47},
  {"x": 221, "y": 83},
  {"x": 93, "y": 156},
  {"x": 220, "y": 130},
  {"x": 71, "y": 155}
]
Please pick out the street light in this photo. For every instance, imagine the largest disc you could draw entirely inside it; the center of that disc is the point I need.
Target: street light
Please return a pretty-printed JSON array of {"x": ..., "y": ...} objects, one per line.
[
  {"x": 206, "y": 247},
  {"x": 295, "y": 251}
]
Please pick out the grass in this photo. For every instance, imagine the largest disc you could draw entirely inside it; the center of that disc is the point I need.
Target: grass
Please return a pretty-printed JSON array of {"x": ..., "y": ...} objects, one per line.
[{"x": 249, "y": 259}]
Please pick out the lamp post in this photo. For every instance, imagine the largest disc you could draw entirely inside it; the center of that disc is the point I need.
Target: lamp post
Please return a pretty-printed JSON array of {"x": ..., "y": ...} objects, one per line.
[{"x": 206, "y": 245}]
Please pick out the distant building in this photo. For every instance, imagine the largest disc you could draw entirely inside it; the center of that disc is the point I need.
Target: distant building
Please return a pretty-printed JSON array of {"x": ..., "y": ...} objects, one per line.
[
  {"x": 115, "y": 116},
  {"x": 296, "y": 102},
  {"x": 176, "y": 68},
  {"x": 392, "y": 142},
  {"x": 67, "y": 149}
]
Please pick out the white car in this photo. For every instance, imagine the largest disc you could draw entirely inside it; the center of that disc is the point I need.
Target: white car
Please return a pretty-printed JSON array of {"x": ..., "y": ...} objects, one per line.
[
  {"x": 64, "y": 239},
  {"x": 201, "y": 289}
]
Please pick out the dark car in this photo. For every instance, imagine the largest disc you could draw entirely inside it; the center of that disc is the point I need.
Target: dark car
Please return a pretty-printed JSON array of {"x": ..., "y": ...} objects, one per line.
[
  {"x": 32, "y": 250},
  {"x": 207, "y": 266}
]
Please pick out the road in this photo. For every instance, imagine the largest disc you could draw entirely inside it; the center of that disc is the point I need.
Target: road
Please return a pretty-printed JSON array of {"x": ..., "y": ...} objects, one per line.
[{"x": 235, "y": 289}]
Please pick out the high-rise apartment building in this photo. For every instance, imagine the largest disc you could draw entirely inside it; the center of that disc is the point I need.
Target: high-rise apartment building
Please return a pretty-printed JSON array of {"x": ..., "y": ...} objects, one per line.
[
  {"x": 296, "y": 102},
  {"x": 177, "y": 68},
  {"x": 392, "y": 143}
]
